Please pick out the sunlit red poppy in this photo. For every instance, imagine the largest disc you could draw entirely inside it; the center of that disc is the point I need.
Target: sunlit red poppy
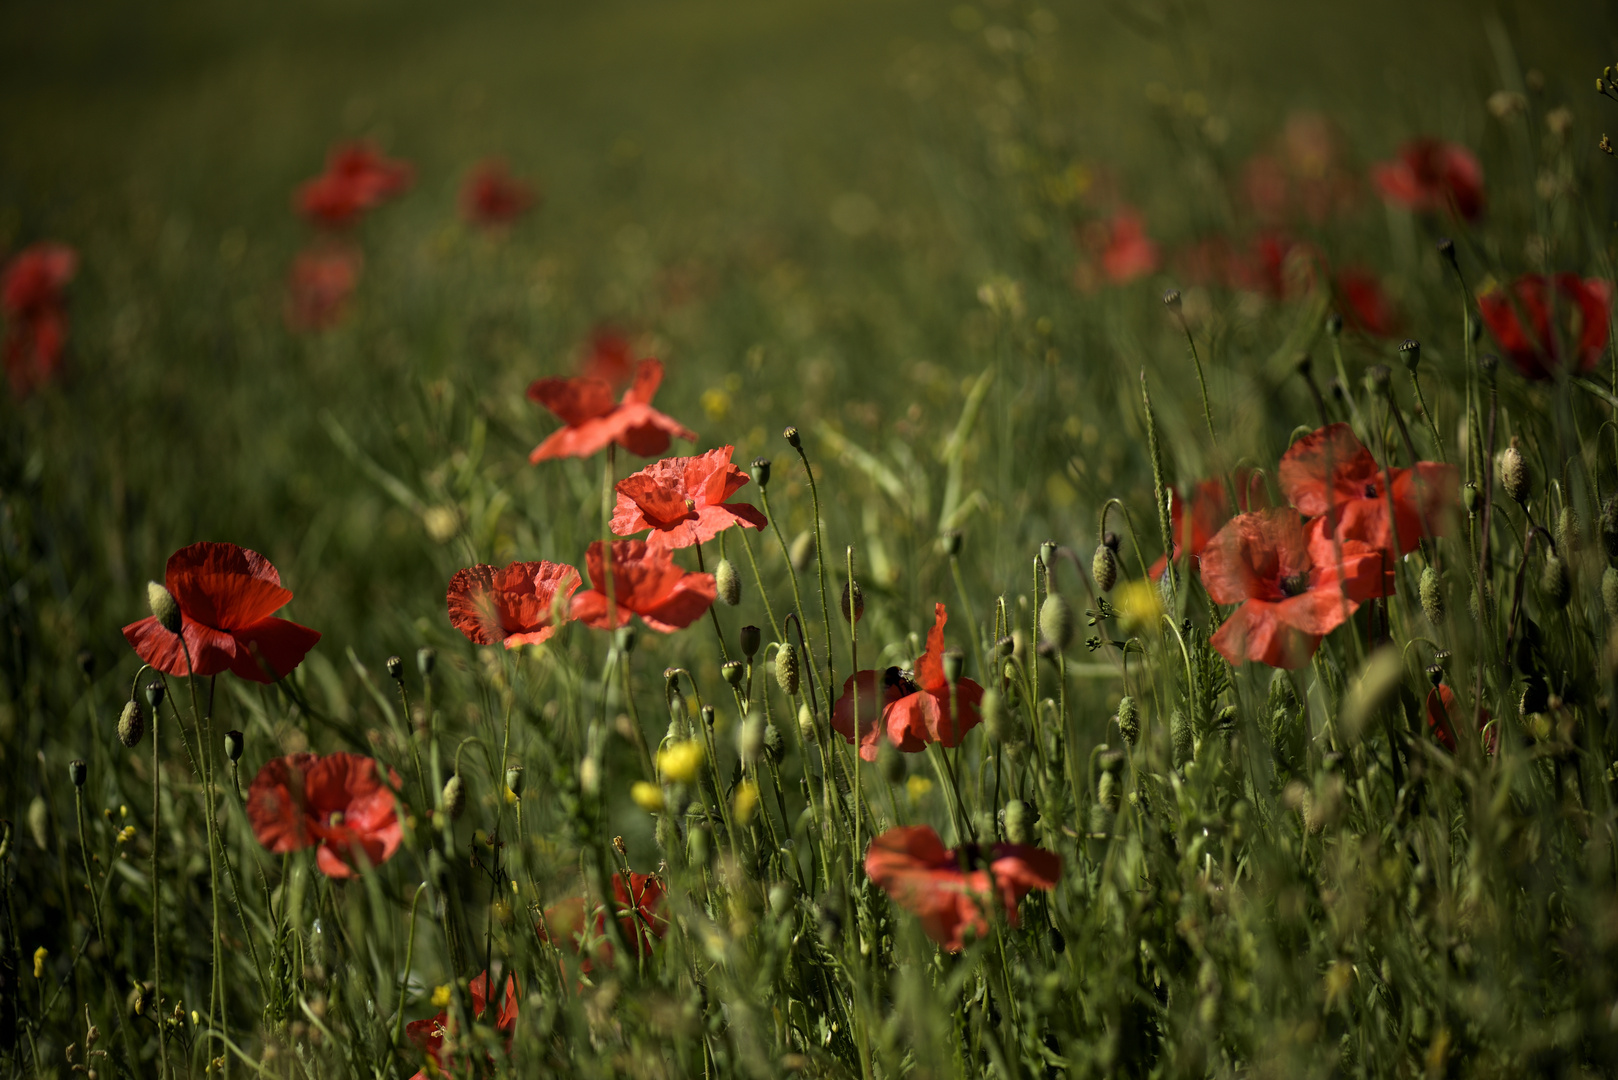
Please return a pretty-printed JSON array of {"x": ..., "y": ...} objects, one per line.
[
  {"x": 227, "y": 596},
  {"x": 1291, "y": 589},
  {"x": 520, "y": 604},
  {"x": 1430, "y": 174},
  {"x": 947, "y": 889},
  {"x": 1332, "y": 460},
  {"x": 911, "y": 707},
  {"x": 591, "y": 419},
  {"x": 1575, "y": 317},
  {"x": 645, "y": 583},
  {"x": 1210, "y": 509},
  {"x": 357, "y": 179},
  {"x": 610, "y": 358},
  {"x": 639, "y": 906},
  {"x": 1364, "y": 304},
  {"x": 343, "y": 805},
  {"x": 319, "y": 286},
  {"x": 429, "y": 1034},
  {"x": 492, "y": 197},
  {"x": 1442, "y": 710},
  {"x": 682, "y": 501},
  {"x": 31, "y": 296}
]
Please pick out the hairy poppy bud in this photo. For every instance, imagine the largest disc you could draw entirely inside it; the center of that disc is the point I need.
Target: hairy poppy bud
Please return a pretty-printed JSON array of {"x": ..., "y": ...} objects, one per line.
[
  {"x": 774, "y": 746},
  {"x": 235, "y": 743},
  {"x": 806, "y": 723},
  {"x": 697, "y": 846},
  {"x": 1171, "y": 300},
  {"x": 1432, "y": 596},
  {"x": 1609, "y": 527},
  {"x": 853, "y": 602},
  {"x": 454, "y": 796},
  {"x": 1334, "y": 324},
  {"x": 792, "y": 438},
  {"x": 426, "y": 656},
  {"x": 750, "y": 738},
  {"x": 1555, "y": 583},
  {"x": 750, "y": 638},
  {"x": 39, "y": 822},
  {"x": 131, "y": 725},
  {"x": 1470, "y": 499},
  {"x": 950, "y": 541},
  {"x": 1567, "y": 529},
  {"x": 761, "y": 471},
  {"x": 733, "y": 673},
  {"x": 786, "y": 668},
  {"x": 999, "y": 721},
  {"x": 1047, "y": 555},
  {"x": 954, "y": 662},
  {"x": 728, "y": 582},
  {"x": 514, "y": 779},
  {"x": 1183, "y": 737},
  {"x": 802, "y": 550},
  {"x": 1609, "y": 592},
  {"x": 1017, "y": 823},
  {"x": 1514, "y": 478},
  {"x": 77, "y": 771},
  {"x": 1056, "y": 622},
  {"x": 1410, "y": 351},
  {"x": 395, "y": 669},
  {"x": 165, "y": 609},
  {"x": 1446, "y": 249},
  {"x": 1107, "y": 799},
  {"x": 889, "y": 763},
  {"x": 1104, "y": 568}
]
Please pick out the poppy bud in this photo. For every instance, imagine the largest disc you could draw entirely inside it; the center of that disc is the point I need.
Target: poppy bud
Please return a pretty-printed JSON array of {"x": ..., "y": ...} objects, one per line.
[
  {"x": 1446, "y": 249},
  {"x": 781, "y": 897},
  {"x": 761, "y": 471},
  {"x": 1410, "y": 351},
  {"x": 1555, "y": 583},
  {"x": 733, "y": 673},
  {"x": 889, "y": 763},
  {"x": 1469, "y": 499},
  {"x": 1104, "y": 568},
  {"x": 728, "y": 583},
  {"x": 1107, "y": 799},
  {"x": 697, "y": 846},
  {"x": 792, "y": 438},
  {"x": 426, "y": 656},
  {"x": 131, "y": 725},
  {"x": 786, "y": 668},
  {"x": 1567, "y": 529},
  {"x": 77, "y": 771},
  {"x": 750, "y": 637},
  {"x": 1609, "y": 527},
  {"x": 623, "y": 639},
  {"x": 1171, "y": 300},
  {"x": 950, "y": 541},
  {"x": 1432, "y": 596},
  {"x": 235, "y": 743},
  {"x": 998, "y": 721},
  {"x": 806, "y": 723},
  {"x": 774, "y": 748},
  {"x": 1514, "y": 478},
  {"x": 1017, "y": 823},
  {"x": 1047, "y": 555},
  {"x": 802, "y": 550},
  {"x": 856, "y": 611},
  {"x": 750, "y": 738},
  {"x": 87, "y": 663},
  {"x": 954, "y": 662},
  {"x": 1334, "y": 324},
  {"x": 395, "y": 669},
  {"x": 1379, "y": 376},
  {"x": 164, "y": 607},
  {"x": 39, "y": 822},
  {"x": 1129, "y": 719},
  {"x": 514, "y": 779},
  {"x": 1609, "y": 592},
  {"x": 1184, "y": 741},
  {"x": 454, "y": 796},
  {"x": 1056, "y": 622}
]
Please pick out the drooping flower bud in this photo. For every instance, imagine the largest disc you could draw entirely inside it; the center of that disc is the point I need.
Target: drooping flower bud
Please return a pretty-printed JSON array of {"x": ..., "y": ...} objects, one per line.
[
  {"x": 786, "y": 668},
  {"x": 1432, "y": 596},
  {"x": 1056, "y": 622},
  {"x": 395, "y": 669},
  {"x": 1379, "y": 376},
  {"x": 454, "y": 796},
  {"x": 77, "y": 771},
  {"x": 623, "y": 639},
  {"x": 1129, "y": 719},
  {"x": 761, "y": 472},
  {"x": 131, "y": 725},
  {"x": 750, "y": 638},
  {"x": 235, "y": 743},
  {"x": 1609, "y": 592},
  {"x": 852, "y": 602},
  {"x": 1555, "y": 583},
  {"x": 1104, "y": 568},
  {"x": 727, "y": 582},
  {"x": 1514, "y": 478},
  {"x": 733, "y": 672},
  {"x": 165, "y": 609},
  {"x": 1017, "y": 823},
  {"x": 426, "y": 656}
]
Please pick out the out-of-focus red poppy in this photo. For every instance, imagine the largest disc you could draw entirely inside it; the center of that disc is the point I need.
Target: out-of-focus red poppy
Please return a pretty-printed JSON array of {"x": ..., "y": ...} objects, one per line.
[
  {"x": 357, "y": 179},
  {"x": 946, "y": 889},
  {"x": 1328, "y": 472},
  {"x": 319, "y": 286},
  {"x": 429, "y": 1034},
  {"x": 1364, "y": 305},
  {"x": 639, "y": 906},
  {"x": 1210, "y": 509},
  {"x": 912, "y": 707},
  {"x": 520, "y": 604},
  {"x": 591, "y": 420},
  {"x": 610, "y": 358},
  {"x": 227, "y": 596},
  {"x": 31, "y": 295},
  {"x": 1536, "y": 350},
  {"x": 682, "y": 500},
  {"x": 1300, "y": 173},
  {"x": 1441, "y": 713},
  {"x": 1430, "y": 174},
  {"x": 1278, "y": 266},
  {"x": 1291, "y": 589},
  {"x": 645, "y": 583},
  {"x": 1116, "y": 249},
  {"x": 344, "y": 805},
  {"x": 493, "y": 198}
]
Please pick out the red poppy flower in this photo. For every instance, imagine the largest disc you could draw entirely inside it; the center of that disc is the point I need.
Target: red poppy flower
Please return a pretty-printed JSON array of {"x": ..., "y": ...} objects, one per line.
[
  {"x": 1365, "y": 307},
  {"x": 342, "y": 803},
  {"x": 682, "y": 500},
  {"x": 1536, "y": 350},
  {"x": 1333, "y": 459},
  {"x": 641, "y": 920},
  {"x": 645, "y": 583},
  {"x": 1277, "y": 266},
  {"x": 913, "y": 706},
  {"x": 1430, "y": 174},
  {"x": 610, "y": 358},
  {"x": 429, "y": 1034},
  {"x": 36, "y": 319},
  {"x": 1441, "y": 712},
  {"x": 521, "y": 604},
  {"x": 226, "y": 595},
  {"x": 319, "y": 286},
  {"x": 492, "y": 197},
  {"x": 1129, "y": 253},
  {"x": 357, "y": 179},
  {"x": 1290, "y": 588},
  {"x": 1210, "y": 509},
  {"x": 1302, "y": 172},
  {"x": 591, "y": 420},
  {"x": 945, "y": 888}
]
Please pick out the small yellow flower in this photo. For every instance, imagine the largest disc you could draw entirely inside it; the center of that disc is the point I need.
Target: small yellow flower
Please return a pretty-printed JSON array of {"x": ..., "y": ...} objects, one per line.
[
  {"x": 123, "y": 811},
  {"x": 649, "y": 797},
  {"x": 918, "y": 787},
  {"x": 196, "y": 1018},
  {"x": 680, "y": 761},
  {"x": 126, "y": 834},
  {"x": 441, "y": 997},
  {"x": 442, "y": 523},
  {"x": 39, "y": 961},
  {"x": 716, "y": 403},
  {"x": 1139, "y": 605},
  {"x": 746, "y": 801}
]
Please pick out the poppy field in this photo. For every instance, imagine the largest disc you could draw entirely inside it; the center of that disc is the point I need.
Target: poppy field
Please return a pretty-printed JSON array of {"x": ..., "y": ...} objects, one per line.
[{"x": 866, "y": 541}]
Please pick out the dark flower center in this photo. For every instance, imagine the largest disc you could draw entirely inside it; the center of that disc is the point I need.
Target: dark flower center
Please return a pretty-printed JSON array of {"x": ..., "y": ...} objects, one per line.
[
  {"x": 1295, "y": 584},
  {"x": 900, "y": 679},
  {"x": 1370, "y": 491}
]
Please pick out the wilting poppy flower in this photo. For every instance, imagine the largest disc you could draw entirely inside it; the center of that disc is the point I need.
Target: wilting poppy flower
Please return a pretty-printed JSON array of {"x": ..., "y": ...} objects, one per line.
[
  {"x": 638, "y": 904},
  {"x": 226, "y": 595},
  {"x": 1364, "y": 306},
  {"x": 492, "y": 197},
  {"x": 1536, "y": 350},
  {"x": 912, "y": 707},
  {"x": 1430, "y": 174},
  {"x": 682, "y": 500},
  {"x": 1332, "y": 460},
  {"x": 36, "y": 316},
  {"x": 1287, "y": 580},
  {"x": 521, "y": 604},
  {"x": 319, "y": 286},
  {"x": 342, "y": 804},
  {"x": 645, "y": 583},
  {"x": 1441, "y": 713},
  {"x": 946, "y": 888},
  {"x": 429, "y": 1034},
  {"x": 357, "y": 179},
  {"x": 609, "y": 358},
  {"x": 1210, "y": 509},
  {"x": 591, "y": 420}
]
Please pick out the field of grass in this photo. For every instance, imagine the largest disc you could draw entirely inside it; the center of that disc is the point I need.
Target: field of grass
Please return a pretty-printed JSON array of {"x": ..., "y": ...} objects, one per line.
[{"x": 935, "y": 241}]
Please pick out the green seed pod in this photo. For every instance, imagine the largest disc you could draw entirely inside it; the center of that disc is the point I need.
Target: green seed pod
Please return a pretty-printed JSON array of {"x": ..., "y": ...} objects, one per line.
[
  {"x": 1129, "y": 720},
  {"x": 131, "y": 725},
  {"x": 235, "y": 743},
  {"x": 514, "y": 780},
  {"x": 1432, "y": 596},
  {"x": 761, "y": 472},
  {"x": 1047, "y": 555},
  {"x": 77, "y": 771},
  {"x": 728, "y": 583},
  {"x": 1180, "y": 732},
  {"x": 1470, "y": 499},
  {"x": 1018, "y": 824},
  {"x": 1056, "y": 621},
  {"x": 733, "y": 672},
  {"x": 750, "y": 638},
  {"x": 1104, "y": 568},
  {"x": 792, "y": 437},
  {"x": 164, "y": 607},
  {"x": 1514, "y": 478},
  {"x": 992, "y": 709},
  {"x": 786, "y": 668},
  {"x": 454, "y": 796},
  {"x": 853, "y": 602},
  {"x": 395, "y": 668},
  {"x": 1568, "y": 538},
  {"x": 426, "y": 657},
  {"x": 889, "y": 763},
  {"x": 1555, "y": 583},
  {"x": 1609, "y": 592},
  {"x": 1410, "y": 352}
]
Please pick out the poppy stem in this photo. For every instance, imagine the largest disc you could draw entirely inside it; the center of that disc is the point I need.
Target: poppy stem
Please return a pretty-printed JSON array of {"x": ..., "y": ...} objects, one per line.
[
  {"x": 157, "y": 909},
  {"x": 820, "y": 562},
  {"x": 410, "y": 959},
  {"x": 758, "y": 579},
  {"x": 1164, "y": 523},
  {"x": 852, "y": 614},
  {"x": 713, "y": 613},
  {"x": 410, "y": 737}
]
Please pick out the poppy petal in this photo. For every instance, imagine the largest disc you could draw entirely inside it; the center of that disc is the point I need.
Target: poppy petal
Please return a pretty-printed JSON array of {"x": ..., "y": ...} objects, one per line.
[{"x": 277, "y": 642}]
